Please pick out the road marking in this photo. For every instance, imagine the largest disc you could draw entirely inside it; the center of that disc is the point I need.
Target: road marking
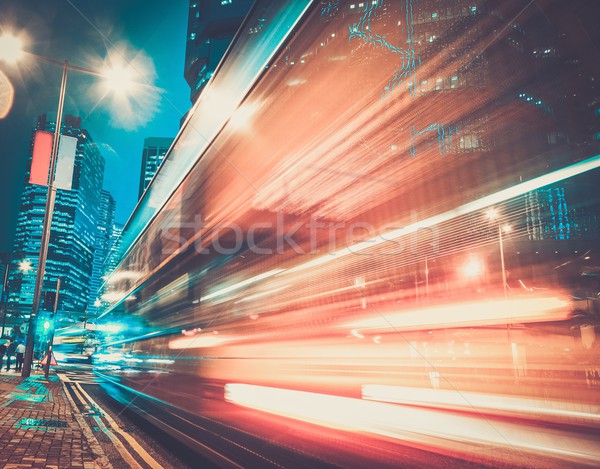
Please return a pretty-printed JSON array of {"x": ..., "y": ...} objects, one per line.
[
  {"x": 84, "y": 377},
  {"x": 101, "y": 459},
  {"x": 134, "y": 444},
  {"x": 150, "y": 418}
]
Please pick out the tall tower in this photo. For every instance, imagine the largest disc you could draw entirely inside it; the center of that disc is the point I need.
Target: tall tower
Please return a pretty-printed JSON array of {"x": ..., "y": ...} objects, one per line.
[
  {"x": 73, "y": 229},
  {"x": 155, "y": 149},
  {"x": 112, "y": 259},
  {"x": 212, "y": 24},
  {"x": 106, "y": 221}
]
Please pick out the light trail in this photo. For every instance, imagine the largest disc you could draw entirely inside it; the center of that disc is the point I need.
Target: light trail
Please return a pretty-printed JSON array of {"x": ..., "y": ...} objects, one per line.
[
  {"x": 471, "y": 207},
  {"x": 423, "y": 426},
  {"x": 241, "y": 284},
  {"x": 490, "y": 312},
  {"x": 553, "y": 410}
]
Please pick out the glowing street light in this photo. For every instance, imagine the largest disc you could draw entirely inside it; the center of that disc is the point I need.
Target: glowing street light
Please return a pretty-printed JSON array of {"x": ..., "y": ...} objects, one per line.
[
  {"x": 118, "y": 80},
  {"x": 25, "y": 266},
  {"x": 473, "y": 268},
  {"x": 491, "y": 213},
  {"x": 10, "y": 50}
]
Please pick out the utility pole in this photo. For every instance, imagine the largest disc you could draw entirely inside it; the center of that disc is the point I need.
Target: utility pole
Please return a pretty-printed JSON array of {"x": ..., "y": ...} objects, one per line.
[
  {"x": 51, "y": 340},
  {"x": 48, "y": 213},
  {"x": 5, "y": 297}
]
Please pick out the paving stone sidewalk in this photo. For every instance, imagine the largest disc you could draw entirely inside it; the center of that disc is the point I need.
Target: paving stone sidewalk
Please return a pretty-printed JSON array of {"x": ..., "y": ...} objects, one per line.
[{"x": 40, "y": 428}]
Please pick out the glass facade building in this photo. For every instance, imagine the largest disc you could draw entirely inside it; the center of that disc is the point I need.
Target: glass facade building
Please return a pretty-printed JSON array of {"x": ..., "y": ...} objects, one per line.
[
  {"x": 105, "y": 228},
  {"x": 155, "y": 149},
  {"x": 73, "y": 230},
  {"x": 212, "y": 24}
]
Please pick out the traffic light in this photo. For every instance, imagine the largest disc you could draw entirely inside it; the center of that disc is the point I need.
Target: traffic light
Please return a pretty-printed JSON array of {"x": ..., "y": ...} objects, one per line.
[{"x": 49, "y": 300}]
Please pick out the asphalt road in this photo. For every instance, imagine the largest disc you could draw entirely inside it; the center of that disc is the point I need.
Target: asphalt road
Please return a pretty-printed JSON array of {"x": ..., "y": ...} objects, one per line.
[
  {"x": 242, "y": 437},
  {"x": 167, "y": 452}
]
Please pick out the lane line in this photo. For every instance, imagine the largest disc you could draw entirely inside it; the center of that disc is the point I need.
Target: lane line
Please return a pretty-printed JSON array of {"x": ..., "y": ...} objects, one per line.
[
  {"x": 160, "y": 424},
  {"x": 101, "y": 459},
  {"x": 125, "y": 454},
  {"x": 134, "y": 444}
]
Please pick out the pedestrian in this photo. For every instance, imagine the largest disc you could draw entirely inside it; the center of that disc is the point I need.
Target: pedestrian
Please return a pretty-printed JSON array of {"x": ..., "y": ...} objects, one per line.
[
  {"x": 10, "y": 351},
  {"x": 20, "y": 354},
  {"x": 2, "y": 352}
]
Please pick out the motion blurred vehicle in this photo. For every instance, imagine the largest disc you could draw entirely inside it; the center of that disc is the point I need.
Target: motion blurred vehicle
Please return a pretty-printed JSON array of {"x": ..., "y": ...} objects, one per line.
[{"x": 360, "y": 240}]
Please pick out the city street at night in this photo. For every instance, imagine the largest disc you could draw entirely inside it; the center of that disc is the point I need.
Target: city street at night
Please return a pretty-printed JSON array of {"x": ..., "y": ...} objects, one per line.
[{"x": 300, "y": 234}]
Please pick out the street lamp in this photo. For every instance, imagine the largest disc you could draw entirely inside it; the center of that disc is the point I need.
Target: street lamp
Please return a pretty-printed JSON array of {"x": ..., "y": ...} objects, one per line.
[
  {"x": 11, "y": 50},
  {"x": 493, "y": 214},
  {"x": 24, "y": 266},
  {"x": 473, "y": 268}
]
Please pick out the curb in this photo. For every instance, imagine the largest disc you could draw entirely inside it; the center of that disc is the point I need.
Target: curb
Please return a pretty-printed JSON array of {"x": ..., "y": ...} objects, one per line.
[{"x": 101, "y": 461}]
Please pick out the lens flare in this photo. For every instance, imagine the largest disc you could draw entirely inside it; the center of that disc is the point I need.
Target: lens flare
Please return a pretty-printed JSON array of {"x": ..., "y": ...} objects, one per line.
[
  {"x": 10, "y": 48},
  {"x": 7, "y": 94},
  {"x": 129, "y": 88},
  {"x": 118, "y": 80}
]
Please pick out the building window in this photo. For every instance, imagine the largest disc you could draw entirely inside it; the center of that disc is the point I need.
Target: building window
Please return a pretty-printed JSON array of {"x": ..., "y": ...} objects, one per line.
[{"x": 469, "y": 142}]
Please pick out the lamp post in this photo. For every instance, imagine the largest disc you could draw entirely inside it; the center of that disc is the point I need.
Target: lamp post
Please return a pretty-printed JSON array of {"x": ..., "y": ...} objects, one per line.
[
  {"x": 24, "y": 266},
  {"x": 51, "y": 338},
  {"x": 502, "y": 259},
  {"x": 11, "y": 51},
  {"x": 5, "y": 297},
  {"x": 48, "y": 213},
  {"x": 492, "y": 214}
]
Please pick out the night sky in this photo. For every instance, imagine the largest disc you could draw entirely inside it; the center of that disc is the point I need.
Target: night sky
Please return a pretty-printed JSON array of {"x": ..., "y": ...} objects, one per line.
[{"x": 151, "y": 35}]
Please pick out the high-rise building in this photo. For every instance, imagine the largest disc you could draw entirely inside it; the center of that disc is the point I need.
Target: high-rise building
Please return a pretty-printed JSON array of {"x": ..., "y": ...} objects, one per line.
[
  {"x": 112, "y": 259},
  {"x": 212, "y": 24},
  {"x": 106, "y": 221},
  {"x": 155, "y": 149},
  {"x": 73, "y": 230},
  {"x": 440, "y": 72}
]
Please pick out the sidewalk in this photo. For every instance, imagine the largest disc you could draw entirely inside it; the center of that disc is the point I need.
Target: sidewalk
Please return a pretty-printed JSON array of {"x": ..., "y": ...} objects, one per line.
[{"x": 40, "y": 426}]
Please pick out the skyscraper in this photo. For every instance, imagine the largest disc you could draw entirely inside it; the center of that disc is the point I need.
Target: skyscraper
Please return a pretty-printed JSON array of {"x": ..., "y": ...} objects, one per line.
[
  {"x": 112, "y": 259},
  {"x": 73, "y": 230},
  {"x": 105, "y": 227},
  {"x": 155, "y": 149},
  {"x": 439, "y": 69},
  {"x": 212, "y": 24}
]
